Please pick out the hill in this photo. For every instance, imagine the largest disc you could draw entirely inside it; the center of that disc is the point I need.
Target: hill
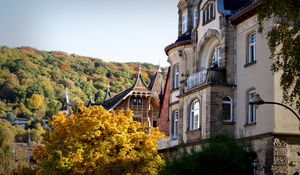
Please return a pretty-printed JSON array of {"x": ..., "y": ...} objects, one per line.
[{"x": 33, "y": 82}]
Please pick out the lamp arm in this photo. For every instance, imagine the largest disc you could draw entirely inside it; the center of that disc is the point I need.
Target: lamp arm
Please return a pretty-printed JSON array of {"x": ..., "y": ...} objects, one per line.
[{"x": 268, "y": 102}]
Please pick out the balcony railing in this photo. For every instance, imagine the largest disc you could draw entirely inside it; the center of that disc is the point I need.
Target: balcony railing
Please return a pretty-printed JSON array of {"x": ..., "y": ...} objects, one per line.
[
  {"x": 196, "y": 80},
  {"x": 210, "y": 75}
]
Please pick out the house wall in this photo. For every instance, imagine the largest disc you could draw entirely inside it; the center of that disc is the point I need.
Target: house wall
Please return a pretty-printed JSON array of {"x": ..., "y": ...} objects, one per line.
[
  {"x": 276, "y": 153},
  {"x": 142, "y": 110},
  {"x": 164, "y": 120},
  {"x": 269, "y": 118}
]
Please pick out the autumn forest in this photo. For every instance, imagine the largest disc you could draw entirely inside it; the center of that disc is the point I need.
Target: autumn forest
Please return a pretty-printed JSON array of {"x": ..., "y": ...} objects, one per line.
[{"x": 33, "y": 82}]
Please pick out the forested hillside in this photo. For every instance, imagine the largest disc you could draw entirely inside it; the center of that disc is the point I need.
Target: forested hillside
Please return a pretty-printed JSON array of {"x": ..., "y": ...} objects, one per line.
[{"x": 33, "y": 82}]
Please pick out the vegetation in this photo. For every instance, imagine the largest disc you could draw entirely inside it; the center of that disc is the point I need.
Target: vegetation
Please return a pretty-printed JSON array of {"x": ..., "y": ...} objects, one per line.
[
  {"x": 33, "y": 82},
  {"x": 284, "y": 43},
  {"x": 220, "y": 156},
  {"x": 13, "y": 159},
  {"x": 96, "y": 141}
]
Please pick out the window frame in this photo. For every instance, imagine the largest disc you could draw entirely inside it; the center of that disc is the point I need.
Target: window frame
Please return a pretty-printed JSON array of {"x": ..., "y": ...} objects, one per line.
[
  {"x": 193, "y": 112},
  {"x": 196, "y": 17},
  {"x": 175, "y": 117},
  {"x": 251, "y": 110},
  {"x": 231, "y": 109},
  {"x": 208, "y": 13},
  {"x": 251, "y": 49},
  {"x": 184, "y": 22},
  {"x": 217, "y": 55},
  {"x": 176, "y": 77}
]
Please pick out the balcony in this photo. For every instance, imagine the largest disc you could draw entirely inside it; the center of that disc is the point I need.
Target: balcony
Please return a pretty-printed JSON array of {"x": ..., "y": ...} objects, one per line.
[
  {"x": 166, "y": 142},
  {"x": 210, "y": 75}
]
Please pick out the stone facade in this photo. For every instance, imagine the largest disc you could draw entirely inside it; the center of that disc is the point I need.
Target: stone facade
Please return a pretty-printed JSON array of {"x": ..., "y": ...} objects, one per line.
[{"x": 215, "y": 77}]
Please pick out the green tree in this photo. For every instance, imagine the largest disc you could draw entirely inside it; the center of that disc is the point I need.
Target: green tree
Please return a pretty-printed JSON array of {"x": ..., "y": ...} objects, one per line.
[
  {"x": 221, "y": 155},
  {"x": 7, "y": 138},
  {"x": 53, "y": 107},
  {"x": 20, "y": 132},
  {"x": 284, "y": 43}
]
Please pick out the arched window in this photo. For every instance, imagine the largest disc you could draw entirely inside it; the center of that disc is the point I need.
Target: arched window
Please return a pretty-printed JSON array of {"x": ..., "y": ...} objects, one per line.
[
  {"x": 227, "y": 109},
  {"x": 195, "y": 115},
  {"x": 216, "y": 57}
]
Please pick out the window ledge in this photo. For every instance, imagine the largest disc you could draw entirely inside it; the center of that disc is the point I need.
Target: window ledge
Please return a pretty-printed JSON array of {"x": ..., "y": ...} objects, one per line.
[
  {"x": 193, "y": 130},
  {"x": 206, "y": 22},
  {"x": 176, "y": 89},
  {"x": 249, "y": 124},
  {"x": 249, "y": 64},
  {"x": 228, "y": 122}
]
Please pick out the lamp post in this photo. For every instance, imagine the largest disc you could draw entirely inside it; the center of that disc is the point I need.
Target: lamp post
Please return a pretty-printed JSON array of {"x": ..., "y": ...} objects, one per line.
[{"x": 257, "y": 100}]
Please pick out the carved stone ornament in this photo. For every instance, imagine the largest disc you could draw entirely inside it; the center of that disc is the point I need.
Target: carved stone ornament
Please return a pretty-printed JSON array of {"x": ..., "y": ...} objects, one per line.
[
  {"x": 280, "y": 160},
  {"x": 279, "y": 170},
  {"x": 247, "y": 24},
  {"x": 278, "y": 142}
]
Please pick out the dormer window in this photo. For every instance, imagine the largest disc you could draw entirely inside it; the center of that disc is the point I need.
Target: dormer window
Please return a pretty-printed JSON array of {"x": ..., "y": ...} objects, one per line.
[
  {"x": 184, "y": 22},
  {"x": 216, "y": 57},
  {"x": 208, "y": 13}
]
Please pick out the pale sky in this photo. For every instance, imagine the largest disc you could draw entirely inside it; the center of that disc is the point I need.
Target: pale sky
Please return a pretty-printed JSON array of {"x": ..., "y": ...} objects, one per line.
[{"x": 113, "y": 30}]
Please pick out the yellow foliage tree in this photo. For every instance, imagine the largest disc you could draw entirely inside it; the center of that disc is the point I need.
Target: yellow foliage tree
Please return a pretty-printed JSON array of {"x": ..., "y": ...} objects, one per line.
[
  {"x": 35, "y": 101},
  {"x": 96, "y": 141}
]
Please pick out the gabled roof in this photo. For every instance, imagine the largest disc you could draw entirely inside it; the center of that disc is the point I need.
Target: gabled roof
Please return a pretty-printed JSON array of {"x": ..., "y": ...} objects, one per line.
[
  {"x": 139, "y": 84},
  {"x": 107, "y": 94},
  {"x": 157, "y": 84},
  {"x": 110, "y": 103},
  {"x": 138, "y": 87}
]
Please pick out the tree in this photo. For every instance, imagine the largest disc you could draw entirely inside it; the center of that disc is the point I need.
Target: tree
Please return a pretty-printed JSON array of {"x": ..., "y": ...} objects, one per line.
[
  {"x": 284, "y": 43},
  {"x": 221, "y": 155},
  {"x": 96, "y": 141},
  {"x": 7, "y": 138},
  {"x": 35, "y": 101}
]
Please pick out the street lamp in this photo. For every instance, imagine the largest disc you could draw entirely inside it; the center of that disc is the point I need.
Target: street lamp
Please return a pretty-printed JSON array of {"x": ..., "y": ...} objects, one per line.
[{"x": 257, "y": 100}]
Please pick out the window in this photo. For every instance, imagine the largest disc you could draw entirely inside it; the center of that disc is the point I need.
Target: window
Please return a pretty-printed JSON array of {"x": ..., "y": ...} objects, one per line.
[
  {"x": 251, "y": 48},
  {"x": 137, "y": 101},
  {"x": 227, "y": 109},
  {"x": 196, "y": 16},
  {"x": 194, "y": 115},
  {"x": 155, "y": 123},
  {"x": 176, "y": 77},
  {"x": 208, "y": 13},
  {"x": 175, "y": 124},
  {"x": 184, "y": 22},
  {"x": 216, "y": 57},
  {"x": 251, "y": 116},
  {"x": 137, "y": 118}
]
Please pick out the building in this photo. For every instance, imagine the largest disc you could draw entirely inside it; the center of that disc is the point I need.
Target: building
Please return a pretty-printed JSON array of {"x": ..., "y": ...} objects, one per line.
[
  {"x": 143, "y": 100},
  {"x": 217, "y": 64}
]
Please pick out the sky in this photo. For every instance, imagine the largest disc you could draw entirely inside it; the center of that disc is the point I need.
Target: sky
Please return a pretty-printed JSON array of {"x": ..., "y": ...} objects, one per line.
[{"x": 112, "y": 30}]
